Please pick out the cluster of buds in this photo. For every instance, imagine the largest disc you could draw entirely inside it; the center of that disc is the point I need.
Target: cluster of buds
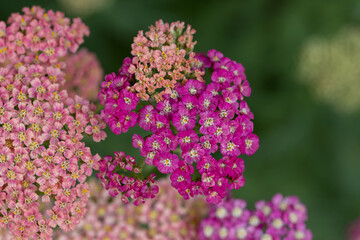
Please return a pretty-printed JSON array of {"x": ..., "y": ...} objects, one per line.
[
  {"x": 280, "y": 218},
  {"x": 194, "y": 121},
  {"x": 44, "y": 161},
  {"x": 162, "y": 57},
  {"x": 168, "y": 217}
]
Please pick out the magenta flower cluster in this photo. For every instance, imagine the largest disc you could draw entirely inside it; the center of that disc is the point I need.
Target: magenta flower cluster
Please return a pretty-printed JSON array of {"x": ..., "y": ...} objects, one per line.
[
  {"x": 187, "y": 128},
  {"x": 280, "y": 218},
  {"x": 43, "y": 159}
]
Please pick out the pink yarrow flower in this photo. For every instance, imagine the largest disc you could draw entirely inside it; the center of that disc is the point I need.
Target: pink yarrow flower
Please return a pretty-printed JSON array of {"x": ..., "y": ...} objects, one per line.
[
  {"x": 167, "y": 217},
  {"x": 43, "y": 159},
  {"x": 162, "y": 89}
]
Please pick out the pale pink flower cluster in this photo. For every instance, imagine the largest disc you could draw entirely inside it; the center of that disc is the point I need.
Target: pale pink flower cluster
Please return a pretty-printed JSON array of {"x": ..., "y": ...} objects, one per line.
[
  {"x": 163, "y": 57},
  {"x": 83, "y": 74},
  {"x": 43, "y": 160},
  {"x": 5, "y": 235},
  {"x": 166, "y": 217}
]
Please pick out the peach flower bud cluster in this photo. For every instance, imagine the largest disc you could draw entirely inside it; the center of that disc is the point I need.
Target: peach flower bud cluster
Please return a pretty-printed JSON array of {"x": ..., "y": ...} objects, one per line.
[{"x": 162, "y": 57}]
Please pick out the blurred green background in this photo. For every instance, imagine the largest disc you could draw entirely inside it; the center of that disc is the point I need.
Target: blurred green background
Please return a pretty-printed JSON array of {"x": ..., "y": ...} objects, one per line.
[{"x": 308, "y": 147}]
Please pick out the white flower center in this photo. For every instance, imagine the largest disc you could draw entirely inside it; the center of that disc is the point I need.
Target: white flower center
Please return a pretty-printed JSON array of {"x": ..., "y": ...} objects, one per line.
[
  {"x": 167, "y": 140},
  {"x": 248, "y": 143},
  {"x": 221, "y": 79},
  {"x": 189, "y": 106},
  {"x": 192, "y": 91},
  {"x": 11, "y": 175},
  {"x": 206, "y": 144},
  {"x": 166, "y": 162},
  {"x": 186, "y": 139},
  {"x": 219, "y": 131},
  {"x": 8, "y": 127},
  {"x": 209, "y": 122},
  {"x": 57, "y": 115},
  {"x": 266, "y": 237},
  {"x": 40, "y": 89},
  {"x": 159, "y": 124},
  {"x": 254, "y": 221},
  {"x": 214, "y": 93},
  {"x": 241, "y": 233},
  {"x": 174, "y": 94},
  {"x": 230, "y": 146},
  {"x": 49, "y": 51},
  {"x": 156, "y": 145},
  {"x": 244, "y": 111},
  {"x": 223, "y": 113},
  {"x": 22, "y": 136},
  {"x": 34, "y": 145},
  {"x": 283, "y": 205},
  {"x": 277, "y": 223},
  {"x": 237, "y": 212},
  {"x": 180, "y": 178},
  {"x": 167, "y": 108},
  {"x": 18, "y": 42},
  {"x": 184, "y": 120},
  {"x": 223, "y": 232},
  {"x": 299, "y": 235},
  {"x": 206, "y": 103},
  {"x": 208, "y": 231},
  {"x": 47, "y": 175},
  {"x": 3, "y": 158},
  {"x": 147, "y": 118},
  {"x": 221, "y": 212},
  {"x": 266, "y": 210},
  {"x": 293, "y": 217},
  {"x": 193, "y": 153},
  {"x": 150, "y": 155},
  {"x": 208, "y": 179},
  {"x": 127, "y": 100}
]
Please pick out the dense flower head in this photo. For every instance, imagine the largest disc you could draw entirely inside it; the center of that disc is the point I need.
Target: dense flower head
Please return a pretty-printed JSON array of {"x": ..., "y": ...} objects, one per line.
[
  {"x": 44, "y": 161},
  {"x": 281, "y": 218},
  {"x": 83, "y": 73},
  {"x": 192, "y": 124},
  {"x": 167, "y": 217}
]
